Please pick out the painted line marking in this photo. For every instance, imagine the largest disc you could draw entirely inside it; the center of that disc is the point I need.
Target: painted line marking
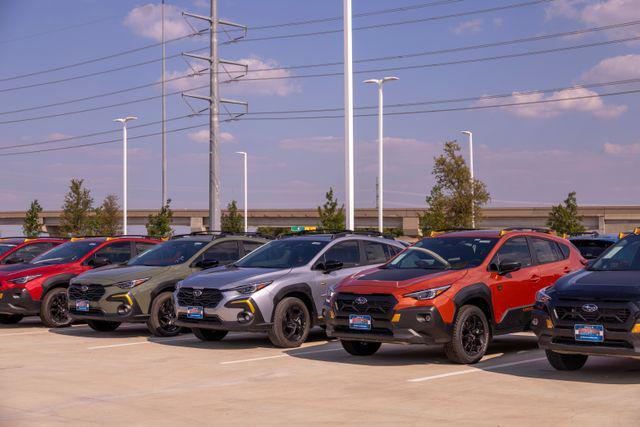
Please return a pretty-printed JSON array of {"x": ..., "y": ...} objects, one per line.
[
  {"x": 255, "y": 359},
  {"x": 476, "y": 370},
  {"x": 98, "y": 347}
]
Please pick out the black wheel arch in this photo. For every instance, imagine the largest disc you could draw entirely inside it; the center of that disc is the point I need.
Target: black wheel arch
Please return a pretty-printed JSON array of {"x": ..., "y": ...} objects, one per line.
[
  {"x": 303, "y": 292},
  {"x": 169, "y": 285},
  {"x": 479, "y": 295},
  {"x": 59, "y": 281}
]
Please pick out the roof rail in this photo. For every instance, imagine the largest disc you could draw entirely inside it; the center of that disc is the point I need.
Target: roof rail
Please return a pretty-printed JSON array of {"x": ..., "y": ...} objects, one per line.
[
  {"x": 544, "y": 230},
  {"x": 436, "y": 233},
  {"x": 220, "y": 234},
  {"x": 593, "y": 233},
  {"x": 335, "y": 234}
]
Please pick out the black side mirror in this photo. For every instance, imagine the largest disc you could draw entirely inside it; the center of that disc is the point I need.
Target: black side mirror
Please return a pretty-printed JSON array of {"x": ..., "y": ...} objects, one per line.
[
  {"x": 99, "y": 261},
  {"x": 14, "y": 261},
  {"x": 207, "y": 263},
  {"x": 508, "y": 267},
  {"x": 329, "y": 266}
]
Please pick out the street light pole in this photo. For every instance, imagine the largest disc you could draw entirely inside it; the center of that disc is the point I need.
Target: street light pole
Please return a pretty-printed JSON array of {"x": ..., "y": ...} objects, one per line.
[
  {"x": 348, "y": 118},
  {"x": 124, "y": 169},
  {"x": 473, "y": 216},
  {"x": 246, "y": 210},
  {"x": 380, "y": 189}
]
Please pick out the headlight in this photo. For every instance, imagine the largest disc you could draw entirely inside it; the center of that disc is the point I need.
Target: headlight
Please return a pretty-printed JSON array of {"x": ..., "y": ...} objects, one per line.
[
  {"x": 128, "y": 284},
  {"x": 252, "y": 287},
  {"x": 542, "y": 295},
  {"x": 24, "y": 279},
  {"x": 331, "y": 291},
  {"x": 428, "y": 293}
]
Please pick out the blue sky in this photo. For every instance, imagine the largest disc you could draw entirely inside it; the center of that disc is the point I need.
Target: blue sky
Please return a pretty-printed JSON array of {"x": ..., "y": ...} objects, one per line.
[{"x": 528, "y": 156}]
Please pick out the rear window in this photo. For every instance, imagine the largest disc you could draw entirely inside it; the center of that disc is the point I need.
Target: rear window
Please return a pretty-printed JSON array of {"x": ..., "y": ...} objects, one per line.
[{"x": 591, "y": 249}]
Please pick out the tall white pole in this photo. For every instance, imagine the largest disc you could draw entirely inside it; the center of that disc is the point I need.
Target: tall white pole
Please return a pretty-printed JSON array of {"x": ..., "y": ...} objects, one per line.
[
  {"x": 124, "y": 178},
  {"x": 348, "y": 117},
  {"x": 246, "y": 191},
  {"x": 164, "y": 118},
  {"x": 473, "y": 216}
]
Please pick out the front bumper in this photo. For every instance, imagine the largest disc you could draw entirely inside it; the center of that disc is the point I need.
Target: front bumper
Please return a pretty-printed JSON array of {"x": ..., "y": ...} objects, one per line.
[
  {"x": 416, "y": 325},
  {"x": 18, "y": 301},
  {"x": 561, "y": 339},
  {"x": 104, "y": 304}
]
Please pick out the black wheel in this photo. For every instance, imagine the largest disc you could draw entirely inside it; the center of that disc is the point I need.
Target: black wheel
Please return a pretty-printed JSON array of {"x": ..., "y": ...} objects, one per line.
[
  {"x": 10, "y": 319},
  {"x": 470, "y": 337},
  {"x": 566, "y": 362},
  {"x": 209, "y": 334},
  {"x": 54, "y": 311},
  {"x": 291, "y": 323},
  {"x": 162, "y": 318},
  {"x": 360, "y": 348},
  {"x": 103, "y": 325}
]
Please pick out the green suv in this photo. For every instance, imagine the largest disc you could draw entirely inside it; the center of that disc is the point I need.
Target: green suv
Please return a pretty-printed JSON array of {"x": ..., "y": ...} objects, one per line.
[{"x": 140, "y": 290}]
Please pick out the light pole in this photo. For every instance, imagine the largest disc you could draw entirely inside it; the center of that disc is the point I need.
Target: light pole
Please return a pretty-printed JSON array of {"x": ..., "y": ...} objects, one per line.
[
  {"x": 380, "y": 83},
  {"x": 124, "y": 169},
  {"x": 246, "y": 218},
  {"x": 473, "y": 216},
  {"x": 348, "y": 117}
]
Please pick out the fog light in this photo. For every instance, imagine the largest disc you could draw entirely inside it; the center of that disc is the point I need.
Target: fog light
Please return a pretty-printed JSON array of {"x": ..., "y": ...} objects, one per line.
[
  {"x": 245, "y": 317},
  {"x": 549, "y": 324},
  {"x": 423, "y": 317},
  {"x": 636, "y": 329},
  {"x": 124, "y": 309},
  {"x": 535, "y": 322}
]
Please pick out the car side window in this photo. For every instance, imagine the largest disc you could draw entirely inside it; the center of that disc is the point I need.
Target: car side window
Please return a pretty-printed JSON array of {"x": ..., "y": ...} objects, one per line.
[
  {"x": 514, "y": 250},
  {"x": 116, "y": 252},
  {"x": 142, "y": 247},
  {"x": 223, "y": 252},
  {"x": 564, "y": 250},
  {"x": 347, "y": 252},
  {"x": 250, "y": 246},
  {"x": 29, "y": 252},
  {"x": 545, "y": 250},
  {"x": 376, "y": 252}
]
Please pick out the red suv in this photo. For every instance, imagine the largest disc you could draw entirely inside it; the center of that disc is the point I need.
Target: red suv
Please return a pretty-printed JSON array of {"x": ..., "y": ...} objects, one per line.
[
  {"x": 40, "y": 286},
  {"x": 16, "y": 250},
  {"x": 458, "y": 289}
]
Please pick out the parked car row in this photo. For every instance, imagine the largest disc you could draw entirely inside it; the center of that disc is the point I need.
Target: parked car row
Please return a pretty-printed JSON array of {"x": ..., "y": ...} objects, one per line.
[{"x": 458, "y": 289}]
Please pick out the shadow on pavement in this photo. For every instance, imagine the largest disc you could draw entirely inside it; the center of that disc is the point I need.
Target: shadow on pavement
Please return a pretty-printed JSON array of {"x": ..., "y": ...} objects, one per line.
[{"x": 87, "y": 332}]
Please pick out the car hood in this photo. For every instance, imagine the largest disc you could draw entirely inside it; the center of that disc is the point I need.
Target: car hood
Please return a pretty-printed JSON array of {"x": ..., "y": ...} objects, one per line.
[
  {"x": 623, "y": 285},
  {"x": 230, "y": 277},
  {"x": 18, "y": 270},
  {"x": 383, "y": 278},
  {"x": 108, "y": 276}
]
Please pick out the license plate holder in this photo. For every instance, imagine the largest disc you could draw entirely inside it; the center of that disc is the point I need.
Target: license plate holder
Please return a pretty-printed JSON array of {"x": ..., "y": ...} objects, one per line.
[
  {"x": 360, "y": 322},
  {"x": 195, "y": 312},
  {"x": 589, "y": 333},
  {"x": 82, "y": 305}
]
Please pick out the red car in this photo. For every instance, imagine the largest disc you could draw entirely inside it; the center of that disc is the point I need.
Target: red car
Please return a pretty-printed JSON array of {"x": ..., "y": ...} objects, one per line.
[
  {"x": 458, "y": 289},
  {"x": 16, "y": 250},
  {"x": 40, "y": 286}
]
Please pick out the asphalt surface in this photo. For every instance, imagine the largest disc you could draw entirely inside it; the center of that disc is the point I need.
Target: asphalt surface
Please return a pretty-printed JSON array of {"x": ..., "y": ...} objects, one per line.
[{"x": 76, "y": 376}]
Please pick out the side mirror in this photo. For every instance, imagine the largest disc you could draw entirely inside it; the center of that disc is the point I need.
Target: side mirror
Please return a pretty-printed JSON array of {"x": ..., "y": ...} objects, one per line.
[
  {"x": 329, "y": 266},
  {"x": 99, "y": 261},
  {"x": 14, "y": 261},
  {"x": 207, "y": 263},
  {"x": 508, "y": 267}
]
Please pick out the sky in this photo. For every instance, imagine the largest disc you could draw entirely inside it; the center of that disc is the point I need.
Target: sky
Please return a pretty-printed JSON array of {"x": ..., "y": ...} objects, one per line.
[{"x": 528, "y": 155}]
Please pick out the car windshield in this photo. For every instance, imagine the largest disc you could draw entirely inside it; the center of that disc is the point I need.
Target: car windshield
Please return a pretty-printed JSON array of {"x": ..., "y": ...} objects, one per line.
[
  {"x": 444, "y": 253},
  {"x": 623, "y": 256},
  {"x": 286, "y": 253},
  {"x": 591, "y": 249},
  {"x": 65, "y": 253},
  {"x": 5, "y": 247},
  {"x": 173, "y": 252}
]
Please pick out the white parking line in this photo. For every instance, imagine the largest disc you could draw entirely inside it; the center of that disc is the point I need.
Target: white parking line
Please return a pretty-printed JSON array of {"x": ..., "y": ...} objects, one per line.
[
  {"x": 98, "y": 347},
  {"x": 279, "y": 356},
  {"x": 476, "y": 370}
]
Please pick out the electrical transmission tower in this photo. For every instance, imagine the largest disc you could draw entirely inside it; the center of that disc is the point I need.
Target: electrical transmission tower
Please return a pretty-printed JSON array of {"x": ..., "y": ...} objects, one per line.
[{"x": 214, "y": 101}]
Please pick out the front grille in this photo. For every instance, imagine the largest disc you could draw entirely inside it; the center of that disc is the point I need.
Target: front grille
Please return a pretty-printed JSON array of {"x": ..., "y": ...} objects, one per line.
[
  {"x": 208, "y": 298},
  {"x": 92, "y": 292},
  {"x": 605, "y": 343},
  {"x": 602, "y": 315},
  {"x": 377, "y": 306}
]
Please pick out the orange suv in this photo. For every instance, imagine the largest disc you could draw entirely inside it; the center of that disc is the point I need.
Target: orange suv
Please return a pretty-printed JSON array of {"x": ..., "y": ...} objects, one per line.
[{"x": 456, "y": 288}]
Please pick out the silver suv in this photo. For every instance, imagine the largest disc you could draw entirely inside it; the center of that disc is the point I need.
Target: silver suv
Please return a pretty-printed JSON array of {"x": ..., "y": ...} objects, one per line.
[{"x": 279, "y": 288}]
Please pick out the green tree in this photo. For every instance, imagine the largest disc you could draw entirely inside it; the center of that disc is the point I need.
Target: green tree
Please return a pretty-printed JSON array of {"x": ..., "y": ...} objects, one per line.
[
  {"x": 454, "y": 199},
  {"x": 160, "y": 225},
  {"x": 76, "y": 212},
  {"x": 564, "y": 219},
  {"x": 107, "y": 218},
  {"x": 32, "y": 226},
  {"x": 331, "y": 216},
  {"x": 232, "y": 221}
]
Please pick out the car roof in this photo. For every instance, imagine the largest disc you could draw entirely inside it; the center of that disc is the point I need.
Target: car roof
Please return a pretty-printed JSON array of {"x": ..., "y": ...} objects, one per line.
[{"x": 496, "y": 234}]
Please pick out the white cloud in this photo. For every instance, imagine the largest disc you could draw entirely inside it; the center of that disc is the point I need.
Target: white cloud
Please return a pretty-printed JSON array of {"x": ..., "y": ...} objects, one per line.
[
  {"x": 621, "y": 150},
  {"x": 146, "y": 21},
  {"x": 470, "y": 27},
  {"x": 203, "y": 136},
  {"x": 616, "y": 68},
  {"x": 555, "y": 108}
]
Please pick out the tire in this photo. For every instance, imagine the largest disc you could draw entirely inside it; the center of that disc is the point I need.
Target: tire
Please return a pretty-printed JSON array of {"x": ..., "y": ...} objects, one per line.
[
  {"x": 291, "y": 323},
  {"x": 162, "y": 316},
  {"x": 54, "y": 311},
  {"x": 471, "y": 336},
  {"x": 360, "y": 348},
  {"x": 209, "y": 334},
  {"x": 103, "y": 325},
  {"x": 566, "y": 362},
  {"x": 10, "y": 319}
]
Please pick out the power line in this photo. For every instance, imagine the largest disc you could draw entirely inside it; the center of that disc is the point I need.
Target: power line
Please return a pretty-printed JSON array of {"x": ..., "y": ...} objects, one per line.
[{"x": 57, "y": 30}]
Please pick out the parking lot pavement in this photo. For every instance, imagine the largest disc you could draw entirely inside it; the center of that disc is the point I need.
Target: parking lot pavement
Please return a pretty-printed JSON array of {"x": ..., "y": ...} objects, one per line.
[{"x": 78, "y": 376}]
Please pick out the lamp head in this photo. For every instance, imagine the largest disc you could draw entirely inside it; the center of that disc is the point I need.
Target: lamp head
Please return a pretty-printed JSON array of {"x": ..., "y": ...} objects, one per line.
[{"x": 466, "y": 132}]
